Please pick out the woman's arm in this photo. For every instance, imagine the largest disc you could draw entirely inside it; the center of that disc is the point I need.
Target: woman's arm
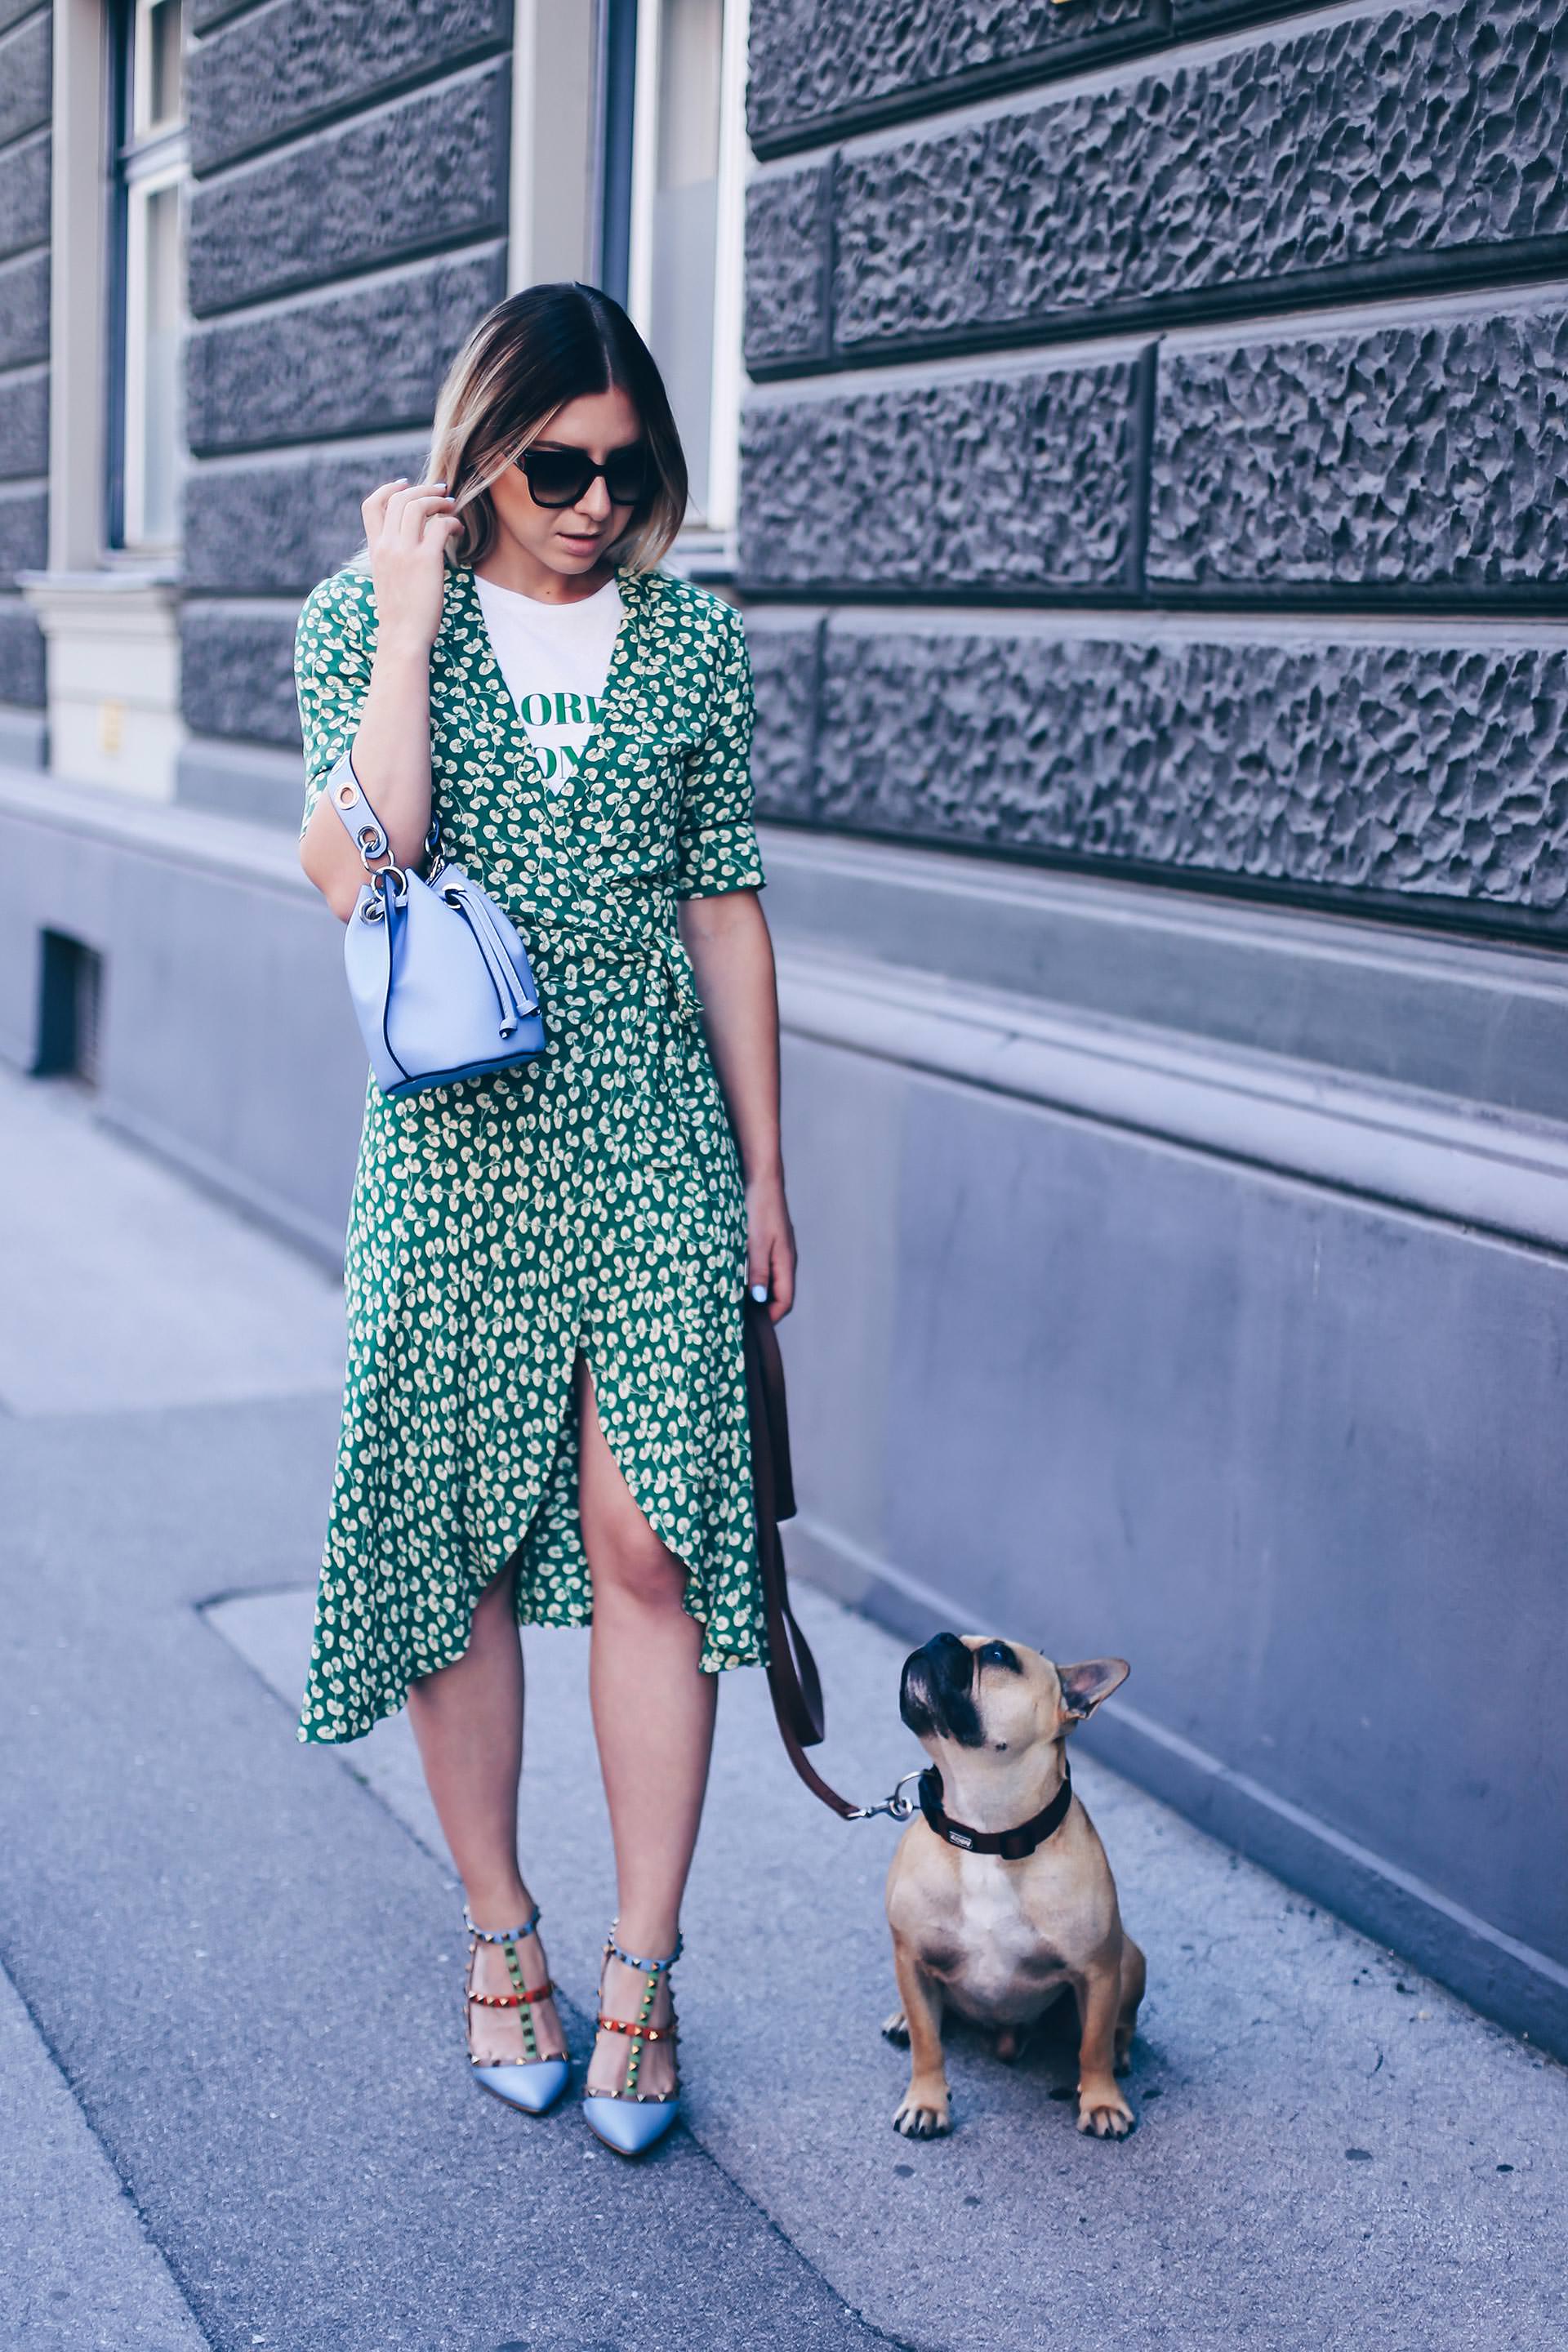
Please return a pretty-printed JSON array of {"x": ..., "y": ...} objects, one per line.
[
  {"x": 726, "y": 936},
  {"x": 406, "y": 530}
]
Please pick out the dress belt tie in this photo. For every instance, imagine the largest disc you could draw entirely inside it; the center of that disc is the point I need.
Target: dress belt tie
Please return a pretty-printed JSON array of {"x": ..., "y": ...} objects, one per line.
[{"x": 667, "y": 1001}]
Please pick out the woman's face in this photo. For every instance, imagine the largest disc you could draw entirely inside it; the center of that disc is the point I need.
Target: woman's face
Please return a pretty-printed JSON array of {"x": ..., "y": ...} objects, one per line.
[{"x": 571, "y": 540}]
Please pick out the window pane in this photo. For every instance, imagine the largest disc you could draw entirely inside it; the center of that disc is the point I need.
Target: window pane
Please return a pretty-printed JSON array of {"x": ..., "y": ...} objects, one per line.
[
  {"x": 163, "y": 99},
  {"x": 161, "y": 367},
  {"x": 686, "y": 222}
]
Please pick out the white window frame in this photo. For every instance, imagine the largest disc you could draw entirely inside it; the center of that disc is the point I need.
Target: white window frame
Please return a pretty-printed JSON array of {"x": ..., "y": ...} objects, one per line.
[
  {"x": 143, "y": 126},
  {"x": 148, "y": 174},
  {"x": 154, "y": 156},
  {"x": 714, "y": 536}
]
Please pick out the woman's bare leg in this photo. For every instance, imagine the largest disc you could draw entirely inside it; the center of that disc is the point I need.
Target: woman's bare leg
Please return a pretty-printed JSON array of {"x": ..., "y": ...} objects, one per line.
[
  {"x": 467, "y": 1721},
  {"x": 653, "y": 1718}
]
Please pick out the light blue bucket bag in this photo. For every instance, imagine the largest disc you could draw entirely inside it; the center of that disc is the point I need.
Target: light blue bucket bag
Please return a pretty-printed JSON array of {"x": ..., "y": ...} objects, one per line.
[{"x": 439, "y": 977}]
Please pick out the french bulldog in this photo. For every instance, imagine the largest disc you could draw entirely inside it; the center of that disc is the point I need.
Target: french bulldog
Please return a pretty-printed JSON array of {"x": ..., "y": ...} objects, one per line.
[{"x": 999, "y": 1895}]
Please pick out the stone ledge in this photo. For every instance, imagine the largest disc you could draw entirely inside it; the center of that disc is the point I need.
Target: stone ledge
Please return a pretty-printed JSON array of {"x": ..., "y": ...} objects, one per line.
[
  {"x": 1465, "y": 1019},
  {"x": 240, "y": 849},
  {"x": 1392, "y": 1144}
]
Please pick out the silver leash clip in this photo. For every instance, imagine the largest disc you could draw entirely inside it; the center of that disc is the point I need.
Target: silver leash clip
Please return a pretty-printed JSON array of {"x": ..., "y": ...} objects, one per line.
[{"x": 897, "y": 1807}]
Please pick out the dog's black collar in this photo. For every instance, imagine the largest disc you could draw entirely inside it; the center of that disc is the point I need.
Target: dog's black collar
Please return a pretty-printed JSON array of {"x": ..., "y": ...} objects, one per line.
[{"x": 1012, "y": 1845}]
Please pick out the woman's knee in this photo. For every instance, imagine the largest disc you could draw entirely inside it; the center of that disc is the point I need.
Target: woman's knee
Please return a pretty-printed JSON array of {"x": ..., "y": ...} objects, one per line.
[{"x": 638, "y": 1569}]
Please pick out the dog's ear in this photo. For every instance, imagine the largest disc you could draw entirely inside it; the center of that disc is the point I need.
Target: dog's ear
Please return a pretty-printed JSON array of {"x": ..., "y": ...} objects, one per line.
[{"x": 1085, "y": 1685}]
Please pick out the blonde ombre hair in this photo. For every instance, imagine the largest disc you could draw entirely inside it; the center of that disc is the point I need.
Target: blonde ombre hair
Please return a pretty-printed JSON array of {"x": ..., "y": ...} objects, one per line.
[{"x": 527, "y": 358}]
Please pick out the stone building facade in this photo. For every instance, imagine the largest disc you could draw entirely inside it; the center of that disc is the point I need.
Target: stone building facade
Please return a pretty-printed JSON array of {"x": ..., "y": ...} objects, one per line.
[{"x": 1144, "y": 487}]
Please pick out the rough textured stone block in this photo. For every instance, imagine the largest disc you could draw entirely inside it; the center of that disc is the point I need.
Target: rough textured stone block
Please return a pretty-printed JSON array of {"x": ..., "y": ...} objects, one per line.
[
  {"x": 204, "y": 14},
  {"x": 1429, "y": 455},
  {"x": 785, "y": 666},
  {"x": 1016, "y": 482},
  {"x": 25, "y": 194},
  {"x": 1427, "y": 772},
  {"x": 259, "y": 530},
  {"x": 24, "y": 425},
  {"x": 787, "y": 235},
  {"x": 237, "y": 672},
  {"x": 26, "y": 71},
  {"x": 264, "y": 76},
  {"x": 21, "y": 656},
  {"x": 12, "y": 10},
  {"x": 819, "y": 65},
  {"x": 24, "y": 531},
  {"x": 1359, "y": 150},
  {"x": 430, "y": 172},
  {"x": 362, "y": 361},
  {"x": 1192, "y": 20},
  {"x": 25, "y": 309}
]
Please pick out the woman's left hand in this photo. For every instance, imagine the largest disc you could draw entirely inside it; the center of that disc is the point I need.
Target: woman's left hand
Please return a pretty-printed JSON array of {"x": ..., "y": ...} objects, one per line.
[{"x": 770, "y": 1245}]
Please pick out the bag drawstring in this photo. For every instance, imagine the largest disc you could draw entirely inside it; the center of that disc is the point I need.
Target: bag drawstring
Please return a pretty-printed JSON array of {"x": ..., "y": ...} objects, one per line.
[{"x": 509, "y": 998}]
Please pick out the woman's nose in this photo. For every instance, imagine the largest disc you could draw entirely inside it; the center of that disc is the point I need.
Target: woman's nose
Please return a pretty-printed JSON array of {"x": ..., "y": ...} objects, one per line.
[{"x": 595, "y": 501}]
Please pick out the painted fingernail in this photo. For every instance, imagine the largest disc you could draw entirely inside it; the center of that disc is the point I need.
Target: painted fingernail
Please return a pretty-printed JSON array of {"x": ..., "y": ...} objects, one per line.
[{"x": 760, "y": 1292}]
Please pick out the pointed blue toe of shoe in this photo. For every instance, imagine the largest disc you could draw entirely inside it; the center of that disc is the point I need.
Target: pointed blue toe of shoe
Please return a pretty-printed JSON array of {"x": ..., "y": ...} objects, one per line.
[
  {"x": 630, "y": 2126},
  {"x": 533, "y": 2088}
]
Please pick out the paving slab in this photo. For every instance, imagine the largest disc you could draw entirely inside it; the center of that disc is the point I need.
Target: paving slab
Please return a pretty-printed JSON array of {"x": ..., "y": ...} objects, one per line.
[
  {"x": 124, "y": 1288},
  {"x": 79, "y": 2273},
  {"x": 1330, "y": 2149}
]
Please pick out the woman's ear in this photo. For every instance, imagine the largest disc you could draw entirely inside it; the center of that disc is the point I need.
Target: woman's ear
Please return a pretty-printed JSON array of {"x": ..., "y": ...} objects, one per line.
[{"x": 1085, "y": 1685}]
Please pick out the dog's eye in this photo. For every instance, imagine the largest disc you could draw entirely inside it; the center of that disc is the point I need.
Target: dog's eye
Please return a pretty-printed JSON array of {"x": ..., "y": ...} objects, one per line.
[{"x": 997, "y": 1653}]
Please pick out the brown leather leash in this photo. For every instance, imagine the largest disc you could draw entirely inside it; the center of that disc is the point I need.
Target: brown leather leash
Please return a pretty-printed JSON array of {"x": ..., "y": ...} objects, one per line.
[{"x": 793, "y": 1680}]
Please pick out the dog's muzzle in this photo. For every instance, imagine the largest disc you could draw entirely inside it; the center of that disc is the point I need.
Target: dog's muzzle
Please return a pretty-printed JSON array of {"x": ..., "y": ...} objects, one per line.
[{"x": 936, "y": 1696}]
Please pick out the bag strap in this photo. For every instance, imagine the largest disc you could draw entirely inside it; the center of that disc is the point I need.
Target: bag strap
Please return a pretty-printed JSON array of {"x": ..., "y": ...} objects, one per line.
[
  {"x": 360, "y": 820},
  {"x": 793, "y": 1680}
]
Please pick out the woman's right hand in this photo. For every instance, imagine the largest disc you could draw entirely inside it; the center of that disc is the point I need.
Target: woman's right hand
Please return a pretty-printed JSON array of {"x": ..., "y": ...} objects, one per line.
[{"x": 408, "y": 528}]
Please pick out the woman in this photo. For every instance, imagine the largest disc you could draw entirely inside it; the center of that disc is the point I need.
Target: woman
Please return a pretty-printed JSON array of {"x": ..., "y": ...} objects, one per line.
[{"x": 545, "y": 1415}]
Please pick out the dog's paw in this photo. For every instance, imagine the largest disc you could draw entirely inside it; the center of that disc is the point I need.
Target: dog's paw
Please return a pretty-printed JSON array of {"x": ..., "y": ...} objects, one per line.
[
  {"x": 923, "y": 2115},
  {"x": 1102, "y": 2110},
  {"x": 896, "y": 2029}
]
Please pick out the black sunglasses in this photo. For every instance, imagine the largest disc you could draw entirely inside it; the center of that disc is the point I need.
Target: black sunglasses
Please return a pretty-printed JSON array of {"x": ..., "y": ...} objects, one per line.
[{"x": 559, "y": 477}]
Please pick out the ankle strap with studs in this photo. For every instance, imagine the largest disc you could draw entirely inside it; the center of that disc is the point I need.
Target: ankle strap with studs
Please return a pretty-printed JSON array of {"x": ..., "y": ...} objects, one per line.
[
  {"x": 631, "y": 1960},
  {"x": 501, "y": 1935}
]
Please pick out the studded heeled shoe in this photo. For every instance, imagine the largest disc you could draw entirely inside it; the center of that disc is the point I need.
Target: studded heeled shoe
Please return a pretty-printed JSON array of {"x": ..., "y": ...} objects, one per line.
[
  {"x": 531, "y": 2083},
  {"x": 628, "y": 2119}
]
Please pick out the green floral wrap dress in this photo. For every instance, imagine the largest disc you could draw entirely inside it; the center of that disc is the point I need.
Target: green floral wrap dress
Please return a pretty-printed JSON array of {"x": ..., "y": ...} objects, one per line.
[{"x": 590, "y": 1200}]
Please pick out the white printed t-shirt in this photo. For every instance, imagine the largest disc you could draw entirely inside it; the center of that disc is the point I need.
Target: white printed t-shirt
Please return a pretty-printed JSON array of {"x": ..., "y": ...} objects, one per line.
[{"x": 555, "y": 659}]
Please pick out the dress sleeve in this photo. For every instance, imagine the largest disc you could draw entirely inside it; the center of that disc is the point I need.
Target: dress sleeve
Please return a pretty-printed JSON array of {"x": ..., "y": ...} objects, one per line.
[
  {"x": 716, "y": 846},
  {"x": 333, "y": 642}
]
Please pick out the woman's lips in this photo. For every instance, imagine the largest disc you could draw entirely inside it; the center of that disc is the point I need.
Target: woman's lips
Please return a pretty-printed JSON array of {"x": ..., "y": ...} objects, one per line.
[{"x": 582, "y": 538}]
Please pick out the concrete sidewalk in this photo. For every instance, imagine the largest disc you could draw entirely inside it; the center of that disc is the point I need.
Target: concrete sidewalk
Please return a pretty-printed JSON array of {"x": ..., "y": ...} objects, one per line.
[{"x": 233, "y": 2058}]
